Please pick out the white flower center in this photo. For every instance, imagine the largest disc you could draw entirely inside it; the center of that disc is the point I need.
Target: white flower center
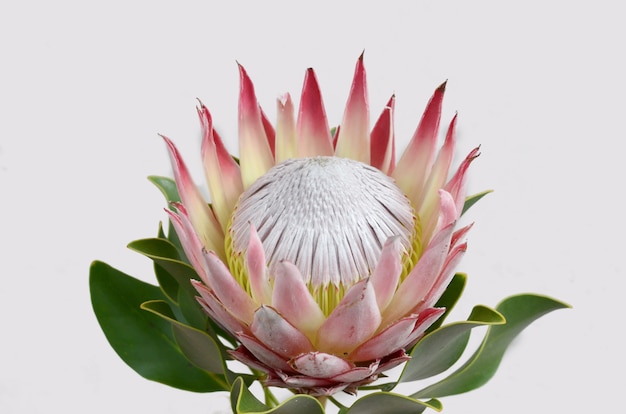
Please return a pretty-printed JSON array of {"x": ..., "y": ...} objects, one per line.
[{"x": 329, "y": 216}]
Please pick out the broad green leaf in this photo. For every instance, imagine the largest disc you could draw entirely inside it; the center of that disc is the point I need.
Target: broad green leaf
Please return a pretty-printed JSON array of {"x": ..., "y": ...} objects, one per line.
[
  {"x": 440, "y": 349},
  {"x": 199, "y": 348},
  {"x": 165, "y": 254},
  {"x": 243, "y": 402},
  {"x": 143, "y": 340},
  {"x": 390, "y": 403},
  {"x": 519, "y": 311},
  {"x": 449, "y": 298},
  {"x": 471, "y": 200}
]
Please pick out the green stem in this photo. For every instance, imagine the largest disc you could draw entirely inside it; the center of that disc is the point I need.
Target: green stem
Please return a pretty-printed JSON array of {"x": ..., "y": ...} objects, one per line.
[
  {"x": 337, "y": 403},
  {"x": 270, "y": 399},
  {"x": 322, "y": 399}
]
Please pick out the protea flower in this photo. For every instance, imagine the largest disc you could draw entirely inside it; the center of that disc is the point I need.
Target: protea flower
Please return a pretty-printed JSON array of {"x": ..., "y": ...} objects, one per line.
[{"x": 318, "y": 252}]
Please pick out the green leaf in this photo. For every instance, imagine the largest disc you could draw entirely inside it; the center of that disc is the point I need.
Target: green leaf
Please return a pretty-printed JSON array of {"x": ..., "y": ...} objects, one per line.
[
  {"x": 167, "y": 186},
  {"x": 199, "y": 348},
  {"x": 390, "y": 403},
  {"x": 244, "y": 402},
  {"x": 143, "y": 340},
  {"x": 471, "y": 200},
  {"x": 440, "y": 349},
  {"x": 165, "y": 254},
  {"x": 168, "y": 283},
  {"x": 519, "y": 311},
  {"x": 449, "y": 298},
  {"x": 191, "y": 310}
]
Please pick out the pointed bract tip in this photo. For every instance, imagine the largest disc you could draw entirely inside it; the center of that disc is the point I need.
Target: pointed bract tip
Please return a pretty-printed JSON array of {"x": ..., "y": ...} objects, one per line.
[
  {"x": 442, "y": 87},
  {"x": 243, "y": 74},
  {"x": 391, "y": 102},
  {"x": 284, "y": 98},
  {"x": 167, "y": 140}
]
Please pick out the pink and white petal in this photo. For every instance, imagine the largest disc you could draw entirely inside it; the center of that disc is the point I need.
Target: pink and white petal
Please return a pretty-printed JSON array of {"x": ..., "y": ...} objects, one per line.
[
  {"x": 353, "y": 140},
  {"x": 286, "y": 140},
  {"x": 426, "y": 318},
  {"x": 190, "y": 242},
  {"x": 221, "y": 172},
  {"x": 459, "y": 235},
  {"x": 456, "y": 185},
  {"x": 304, "y": 381},
  {"x": 445, "y": 276},
  {"x": 390, "y": 340},
  {"x": 445, "y": 214},
  {"x": 255, "y": 153},
  {"x": 439, "y": 173},
  {"x": 353, "y": 321},
  {"x": 312, "y": 126},
  {"x": 387, "y": 272},
  {"x": 357, "y": 374},
  {"x": 382, "y": 141},
  {"x": 273, "y": 380},
  {"x": 420, "y": 280},
  {"x": 277, "y": 334},
  {"x": 336, "y": 136},
  {"x": 270, "y": 133},
  {"x": 433, "y": 219},
  {"x": 262, "y": 353},
  {"x": 392, "y": 361},
  {"x": 412, "y": 168},
  {"x": 204, "y": 222},
  {"x": 258, "y": 274},
  {"x": 329, "y": 390},
  {"x": 216, "y": 310},
  {"x": 244, "y": 356},
  {"x": 320, "y": 365},
  {"x": 305, "y": 385},
  {"x": 231, "y": 174},
  {"x": 227, "y": 290},
  {"x": 292, "y": 298}
]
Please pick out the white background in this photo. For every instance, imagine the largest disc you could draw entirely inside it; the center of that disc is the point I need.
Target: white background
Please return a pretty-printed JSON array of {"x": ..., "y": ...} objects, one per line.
[{"x": 86, "y": 86}]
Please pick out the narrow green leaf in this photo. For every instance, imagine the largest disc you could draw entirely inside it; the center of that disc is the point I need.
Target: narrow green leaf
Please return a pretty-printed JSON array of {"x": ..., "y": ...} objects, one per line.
[
  {"x": 440, "y": 349},
  {"x": 155, "y": 248},
  {"x": 243, "y": 402},
  {"x": 191, "y": 310},
  {"x": 199, "y": 348},
  {"x": 167, "y": 186},
  {"x": 167, "y": 282},
  {"x": 471, "y": 200},
  {"x": 449, "y": 298},
  {"x": 390, "y": 403},
  {"x": 519, "y": 311},
  {"x": 165, "y": 254},
  {"x": 143, "y": 340}
]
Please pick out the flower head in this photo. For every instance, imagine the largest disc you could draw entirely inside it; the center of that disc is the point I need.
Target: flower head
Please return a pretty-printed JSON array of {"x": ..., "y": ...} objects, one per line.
[{"x": 318, "y": 252}]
